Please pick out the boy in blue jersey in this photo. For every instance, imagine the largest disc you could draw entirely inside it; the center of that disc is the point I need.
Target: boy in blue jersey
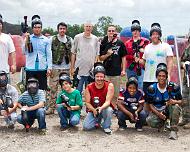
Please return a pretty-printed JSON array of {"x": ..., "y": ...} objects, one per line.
[
  {"x": 164, "y": 99},
  {"x": 32, "y": 103},
  {"x": 130, "y": 104}
]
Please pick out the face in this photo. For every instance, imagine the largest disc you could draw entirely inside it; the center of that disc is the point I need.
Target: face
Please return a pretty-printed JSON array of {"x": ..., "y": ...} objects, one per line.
[
  {"x": 132, "y": 89},
  {"x": 111, "y": 31},
  {"x": 66, "y": 86},
  {"x": 62, "y": 30},
  {"x": 136, "y": 33},
  {"x": 37, "y": 29},
  {"x": 162, "y": 78},
  {"x": 88, "y": 28},
  {"x": 155, "y": 37},
  {"x": 99, "y": 78}
]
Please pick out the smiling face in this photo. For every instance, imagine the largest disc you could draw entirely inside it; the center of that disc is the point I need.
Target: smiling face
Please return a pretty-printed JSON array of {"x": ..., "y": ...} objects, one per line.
[
  {"x": 132, "y": 89},
  {"x": 155, "y": 37},
  {"x": 111, "y": 31},
  {"x": 62, "y": 30},
  {"x": 66, "y": 86},
  {"x": 99, "y": 78},
  {"x": 37, "y": 29},
  {"x": 162, "y": 78}
]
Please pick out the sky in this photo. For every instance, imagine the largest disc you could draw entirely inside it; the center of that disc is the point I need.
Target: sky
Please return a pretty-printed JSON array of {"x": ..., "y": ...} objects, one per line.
[{"x": 173, "y": 15}]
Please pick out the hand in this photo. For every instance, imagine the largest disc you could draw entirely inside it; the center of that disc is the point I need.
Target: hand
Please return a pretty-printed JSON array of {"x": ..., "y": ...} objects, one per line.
[
  {"x": 132, "y": 117},
  {"x": 1, "y": 102},
  {"x": 13, "y": 68},
  {"x": 70, "y": 108},
  {"x": 109, "y": 52},
  {"x": 171, "y": 102},
  {"x": 136, "y": 115},
  {"x": 25, "y": 108},
  {"x": 122, "y": 73},
  {"x": 99, "y": 109},
  {"x": 162, "y": 116},
  {"x": 4, "y": 113},
  {"x": 137, "y": 59},
  {"x": 48, "y": 72},
  {"x": 95, "y": 112}
]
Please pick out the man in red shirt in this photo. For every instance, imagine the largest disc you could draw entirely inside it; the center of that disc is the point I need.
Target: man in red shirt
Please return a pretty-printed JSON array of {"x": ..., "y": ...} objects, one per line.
[
  {"x": 135, "y": 48},
  {"x": 98, "y": 96}
]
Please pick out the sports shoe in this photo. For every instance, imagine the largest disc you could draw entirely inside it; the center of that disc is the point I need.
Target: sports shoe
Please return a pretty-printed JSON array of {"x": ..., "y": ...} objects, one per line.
[
  {"x": 139, "y": 129},
  {"x": 122, "y": 128},
  {"x": 186, "y": 126},
  {"x": 182, "y": 123},
  {"x": 108, "y": 131},
  {"x": 11, "y": 126},
  {"x": 63, "y": 128},
  {"x": 173, "y": 135},
  {"x": 42, "y": 131}
]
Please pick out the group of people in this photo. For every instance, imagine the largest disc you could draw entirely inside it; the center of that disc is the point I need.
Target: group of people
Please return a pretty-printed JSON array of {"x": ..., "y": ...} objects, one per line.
[{"x": 149, "y": 97}]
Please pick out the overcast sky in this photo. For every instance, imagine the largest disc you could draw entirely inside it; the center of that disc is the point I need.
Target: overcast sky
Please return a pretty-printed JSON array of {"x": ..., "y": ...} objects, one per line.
[{"x": 173, "y": 15}]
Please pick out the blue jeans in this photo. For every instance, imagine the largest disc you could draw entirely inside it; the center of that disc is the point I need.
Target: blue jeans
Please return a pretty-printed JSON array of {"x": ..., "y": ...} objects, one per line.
[
  {"x": 66, "y": 115},
  {"x": 122, "y": 117},
  {"x": 139, "y": 78},
  {"x": 38, "y": 114},
  {"x": 90, "y": 121},
  {"x": 83, "y": 80}
]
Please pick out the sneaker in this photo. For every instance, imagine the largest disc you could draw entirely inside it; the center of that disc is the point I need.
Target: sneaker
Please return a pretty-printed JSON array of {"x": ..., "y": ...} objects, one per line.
[
  {"x": 42, "y": 131},
  {"x": 11, "y": 126},
  {"x": 182, "y": 123},
  {"x": 63, "y": 128},
  {"x": 122, "y": 128},
  {"x": 108, "y": 131},
  {"x": 173, "y": 135},
  {"x": 139, "y": 129},
  {"x": 186, "y": 126}
]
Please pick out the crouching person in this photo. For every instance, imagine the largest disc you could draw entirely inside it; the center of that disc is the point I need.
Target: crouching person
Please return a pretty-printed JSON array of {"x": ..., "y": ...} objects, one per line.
[
  {"x": 31, "y": 103},
  {"x": 164, "y": 100},
  {"x": 69, "y": 103},
  {"x": 8, "y": 100},
  {"x": 98, "y": 96},
  {"x": 130, "y": 105}
]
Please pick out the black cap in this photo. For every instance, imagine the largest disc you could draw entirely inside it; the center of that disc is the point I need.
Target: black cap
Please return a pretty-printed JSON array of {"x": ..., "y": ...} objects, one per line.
[
  {"x": 155, "y": 27},
  {"x": 64, "y": 77},
  {"x": 99, "y": 69},
  {"x": 132, "y": 80},
  {"x": 135, "y": 26},
  {"x": 36, "y": 20}
]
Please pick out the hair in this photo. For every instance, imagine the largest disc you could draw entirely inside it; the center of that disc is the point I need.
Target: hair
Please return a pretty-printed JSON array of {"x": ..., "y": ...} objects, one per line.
[{"x": 61, "y": 24}]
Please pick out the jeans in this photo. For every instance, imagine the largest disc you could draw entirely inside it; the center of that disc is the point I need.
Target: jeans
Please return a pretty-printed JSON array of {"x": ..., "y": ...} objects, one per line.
[
  {"x": 139, "y": 78},
  {"x": 90, "y": 121},
  {"x": 66, "y": 115},
  {"x": 122, "y": 117},
  {"x": 38, "y": 114},
  {"x": 83, "y": 80}
]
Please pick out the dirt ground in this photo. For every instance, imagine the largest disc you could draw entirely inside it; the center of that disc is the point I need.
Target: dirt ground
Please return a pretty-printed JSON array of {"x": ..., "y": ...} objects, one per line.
[{"x": 76, "y": 139}]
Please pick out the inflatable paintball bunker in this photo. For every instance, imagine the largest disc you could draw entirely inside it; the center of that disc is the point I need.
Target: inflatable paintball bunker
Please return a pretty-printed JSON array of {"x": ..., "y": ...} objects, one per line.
[
  {"x": 20, "y": 58},
  {"x": 126, "y": 34}
]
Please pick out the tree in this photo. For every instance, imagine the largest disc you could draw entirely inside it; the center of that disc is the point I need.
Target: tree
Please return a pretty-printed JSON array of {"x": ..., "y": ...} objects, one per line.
[{"x": 49, "y": 30}]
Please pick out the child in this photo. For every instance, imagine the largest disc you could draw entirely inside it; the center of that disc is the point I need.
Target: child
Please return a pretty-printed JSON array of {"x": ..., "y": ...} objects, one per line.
[
  {"x": 69, "y": 103},
  {"x": 130, "y": 105}
]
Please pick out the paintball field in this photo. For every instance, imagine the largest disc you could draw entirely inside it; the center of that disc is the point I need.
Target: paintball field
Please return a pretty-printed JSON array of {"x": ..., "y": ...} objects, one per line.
[{"x": 76, "y": 139}]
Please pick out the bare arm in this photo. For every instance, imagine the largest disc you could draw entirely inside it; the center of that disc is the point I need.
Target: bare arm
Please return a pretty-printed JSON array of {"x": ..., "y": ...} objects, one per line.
[
  {"x": 169, "y": 61},
  {"x": 73, "y": 59},
  {"x": 13, "y": 57},
  {"x": 156, "y": 112}
]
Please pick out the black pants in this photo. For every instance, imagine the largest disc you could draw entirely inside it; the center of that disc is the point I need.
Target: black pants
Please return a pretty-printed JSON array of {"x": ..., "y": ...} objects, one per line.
[{"x": 40, "y": 75}]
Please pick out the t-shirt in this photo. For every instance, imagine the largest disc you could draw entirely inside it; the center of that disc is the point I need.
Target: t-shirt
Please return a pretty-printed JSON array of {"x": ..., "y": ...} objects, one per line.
[
  {"x": 86, "y": 50},
  {"x": 27, "y": 99},
  {"x": 6, "y": 47},
  {"x": 155, "y": 54},
  {"x": 75, "y": 99},
  {"x": 112, "y": 64},
  {"x": 11, "y": 91},
  {"x": 130, "y": 100}
]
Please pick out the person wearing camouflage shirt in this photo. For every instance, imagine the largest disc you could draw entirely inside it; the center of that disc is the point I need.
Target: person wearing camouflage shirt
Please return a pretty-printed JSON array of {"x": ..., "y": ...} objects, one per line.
[
  {"x": 185, "y": 64},
  {"x": 61, "y": 53}
]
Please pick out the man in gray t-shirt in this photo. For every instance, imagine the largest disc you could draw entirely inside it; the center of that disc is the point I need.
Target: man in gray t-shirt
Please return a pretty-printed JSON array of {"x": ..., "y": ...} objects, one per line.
[
  {"x": 8, "y": 100},
  {"x": 84, "y": 51}
]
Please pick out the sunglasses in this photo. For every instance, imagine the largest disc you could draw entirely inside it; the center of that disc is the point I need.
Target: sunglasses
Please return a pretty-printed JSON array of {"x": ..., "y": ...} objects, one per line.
[
  {"x": 111, "y": 30},
  {"x": 37, "y": 27}
]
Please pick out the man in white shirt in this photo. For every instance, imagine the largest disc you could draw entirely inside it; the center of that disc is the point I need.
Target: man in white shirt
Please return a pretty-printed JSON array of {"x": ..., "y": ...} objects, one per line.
[{"x": 6, "y": 48}]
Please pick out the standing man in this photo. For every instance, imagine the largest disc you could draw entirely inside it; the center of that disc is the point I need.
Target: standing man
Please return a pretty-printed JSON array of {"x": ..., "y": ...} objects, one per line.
[
  {"x": 185, "y": 64},
  {"x": 155, "y": 53},
  {"x": 85, "y": 53},
  {"x": 6, "y": 48},
  {"x": 38, "y": 54},
  {"x": 112, "y": 53},
  {"x": 61, "y": 55},
  {"x": 98, "y": 96},
  {"x": 135, "y": 48}
]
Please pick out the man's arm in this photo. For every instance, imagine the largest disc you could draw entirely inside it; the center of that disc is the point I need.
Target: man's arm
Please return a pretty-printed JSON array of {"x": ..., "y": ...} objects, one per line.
[
  {"x": 169, "y": 61},
  {"x": 123, "y": 65},
  {"x": 156, "y": 112},
  {"x": 73, "y": 59},
  {"x": 109, "y": 97},
  {"x": 35, "y": 107},
  {"x": 13, "y": 66},
  {"x": 123, "y": 109}
]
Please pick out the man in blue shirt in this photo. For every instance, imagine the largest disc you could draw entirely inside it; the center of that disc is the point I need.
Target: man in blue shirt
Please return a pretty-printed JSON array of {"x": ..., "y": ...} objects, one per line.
[
  {"x": 32, "y": 103},
  {"x": 164, "y": 99},
  {"x": 38, "y": 54}
]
